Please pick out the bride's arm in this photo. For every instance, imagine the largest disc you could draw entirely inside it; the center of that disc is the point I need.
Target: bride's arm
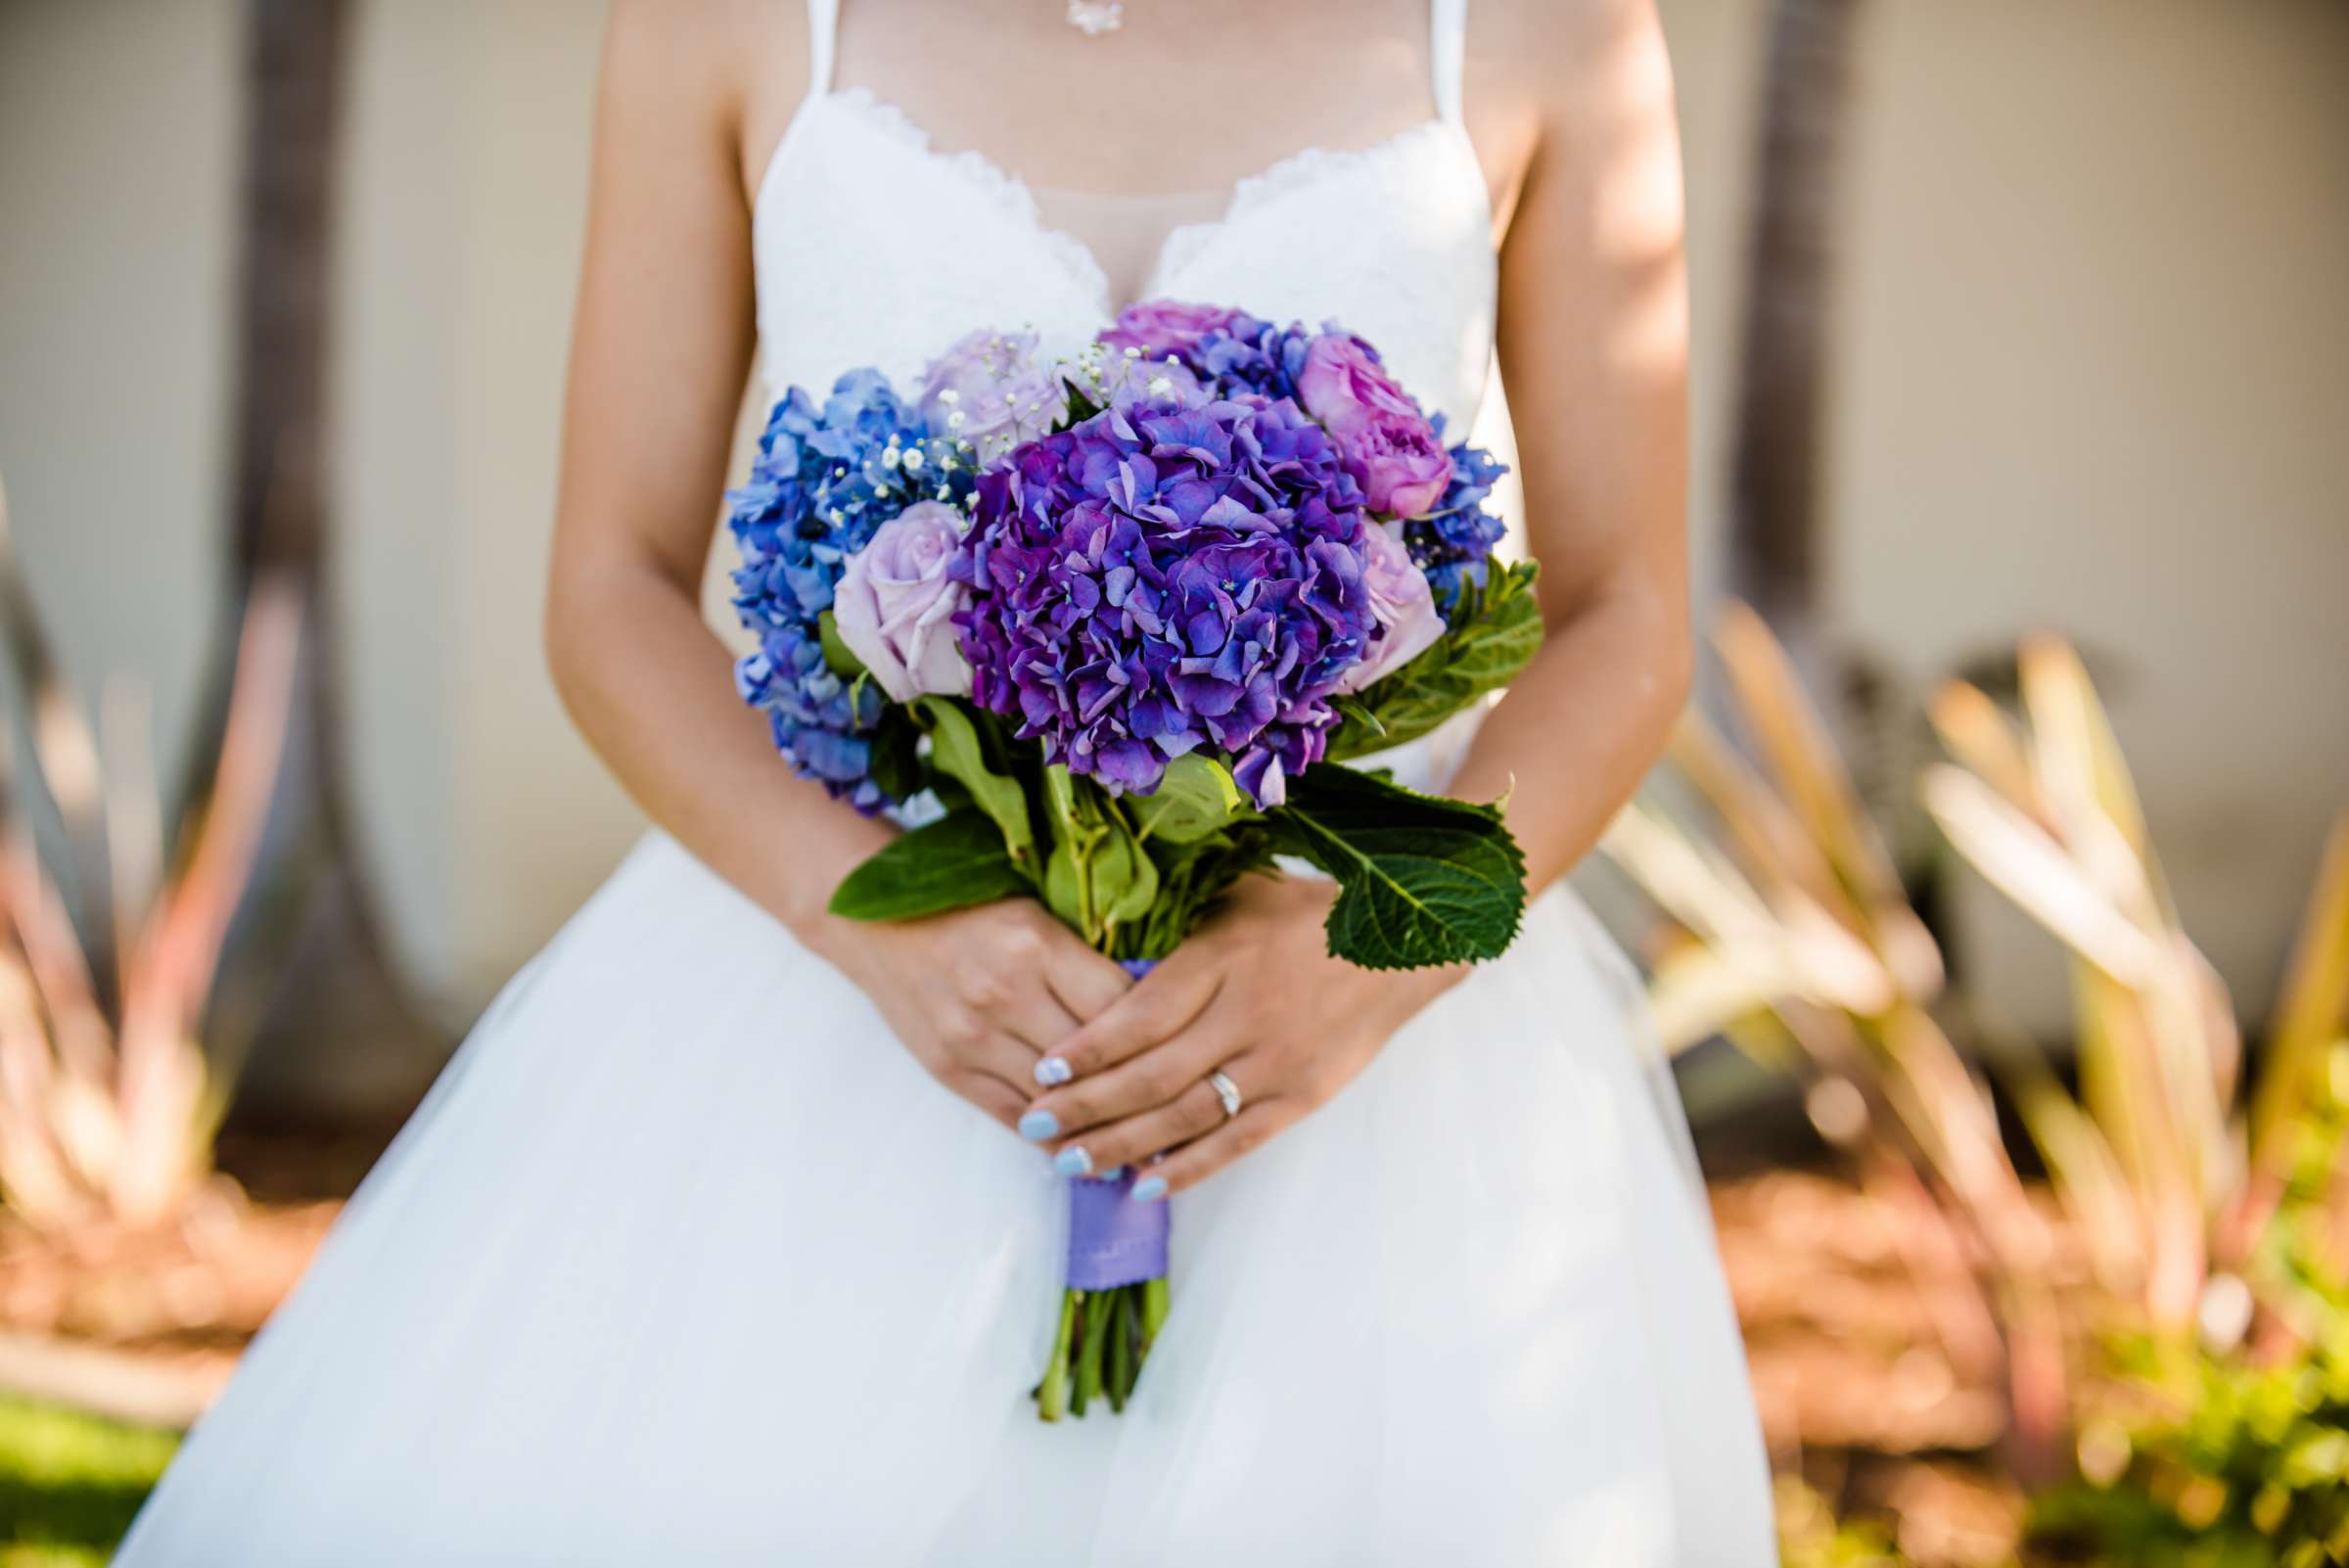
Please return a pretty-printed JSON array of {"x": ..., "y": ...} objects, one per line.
[
  {"x": 1593, "y": 342},
  {"x": 1594, "y": 349},
  {"x": 661, "y": 348}
]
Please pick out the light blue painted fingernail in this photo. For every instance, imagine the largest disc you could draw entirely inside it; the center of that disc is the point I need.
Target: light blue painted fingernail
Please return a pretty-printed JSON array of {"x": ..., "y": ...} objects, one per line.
[
  {"x": 1039, "y": 1124},
  {"x": 1149, "y": 1189},
  {"x": 1053, "y": 1071},
  {"x": 1072, "y": 1160},
  {"x": 1116, "y": 1173}
]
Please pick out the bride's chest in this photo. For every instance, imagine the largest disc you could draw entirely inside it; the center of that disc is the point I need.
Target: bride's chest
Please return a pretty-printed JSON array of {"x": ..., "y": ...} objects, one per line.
[{"x": 871, "y": 249}]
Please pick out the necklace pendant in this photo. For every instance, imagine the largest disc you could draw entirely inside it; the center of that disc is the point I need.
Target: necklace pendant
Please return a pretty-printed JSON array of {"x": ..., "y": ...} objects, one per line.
[{"x": 1094, "y": 18}]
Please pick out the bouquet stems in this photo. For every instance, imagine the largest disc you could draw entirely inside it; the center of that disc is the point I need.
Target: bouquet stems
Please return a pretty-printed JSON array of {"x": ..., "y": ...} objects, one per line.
[{"x": 1097, "y": 1353}]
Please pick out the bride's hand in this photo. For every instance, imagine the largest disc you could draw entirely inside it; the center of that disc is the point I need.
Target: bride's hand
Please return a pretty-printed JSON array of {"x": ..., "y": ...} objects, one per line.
[
  {"x": 979, "y": 995},
  {"x": 1253, "y": 993}
]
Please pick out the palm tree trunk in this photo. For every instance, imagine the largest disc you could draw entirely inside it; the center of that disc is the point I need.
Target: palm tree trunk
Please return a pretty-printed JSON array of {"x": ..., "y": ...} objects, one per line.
[
  {"x": 315, "y": 991},
  {"x": 1777, "y": 536}
]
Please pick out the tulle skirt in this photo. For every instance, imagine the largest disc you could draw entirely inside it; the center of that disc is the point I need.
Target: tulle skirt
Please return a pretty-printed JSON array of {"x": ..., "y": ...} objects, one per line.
[{"x": 684, "y": 1261}]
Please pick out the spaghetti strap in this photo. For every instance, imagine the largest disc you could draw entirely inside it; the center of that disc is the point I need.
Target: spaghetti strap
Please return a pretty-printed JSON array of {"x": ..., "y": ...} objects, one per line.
[
  {"x": 1448, "y": 55},
  {"x": 823, "y": 34}
]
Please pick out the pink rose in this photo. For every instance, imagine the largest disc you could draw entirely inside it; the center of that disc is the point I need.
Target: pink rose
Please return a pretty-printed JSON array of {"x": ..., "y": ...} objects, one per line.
[
  {"x": 895, "y": 605},
  {"x": 1163, "y": 327},
  {"x": 1387, "y": 442},
  {"x": 1400, "y": 605},
  {"x": 1401, "y": 465}
]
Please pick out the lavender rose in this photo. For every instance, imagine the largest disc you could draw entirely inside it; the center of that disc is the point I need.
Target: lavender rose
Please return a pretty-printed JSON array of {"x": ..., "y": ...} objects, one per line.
[
  {"x": 1401, "y": 605},
  {"x": 896, "y": 603},
  {"x": 992, "y": 391},
  {"x": 1388, "y": 443}
]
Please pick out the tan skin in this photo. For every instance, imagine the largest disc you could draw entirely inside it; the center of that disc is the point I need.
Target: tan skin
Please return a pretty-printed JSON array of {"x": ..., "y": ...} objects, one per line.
[{"x": 1570, "y": 110}]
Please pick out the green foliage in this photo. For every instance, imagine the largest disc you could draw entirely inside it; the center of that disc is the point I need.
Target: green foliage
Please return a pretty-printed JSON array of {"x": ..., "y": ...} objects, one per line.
[
  {"x": 837, "y": 655},
  {"x": 1098, "y": 877},
  {"x": 967, "y": 744},
  {"x": 1422, "y": 880},
  {"x": 951, "y": 864},
  {"x": 1494, "y": 633},
  {"x": 1196, "y": 800},
  {"x": 69, "y": 1483},
  {"x": 2251, "y": 1470},
  {"x": 1811, "y": 1536},
  {"x": 2236, "y": 1460}
]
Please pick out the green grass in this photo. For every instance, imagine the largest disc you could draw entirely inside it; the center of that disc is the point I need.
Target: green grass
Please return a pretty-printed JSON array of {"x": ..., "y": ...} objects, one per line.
[{"x": 69, "y": 1483}]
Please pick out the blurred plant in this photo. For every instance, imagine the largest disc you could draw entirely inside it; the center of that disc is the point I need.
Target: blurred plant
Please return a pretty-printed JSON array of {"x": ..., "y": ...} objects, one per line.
[
  {"x": 1786, "y": 930},
  {"x": 1787, "y": 933},
  {"x": 106, "y": 1107},
  {"x": 2232, "y": 1448},
  {"x": 1811, "y": 1536}
]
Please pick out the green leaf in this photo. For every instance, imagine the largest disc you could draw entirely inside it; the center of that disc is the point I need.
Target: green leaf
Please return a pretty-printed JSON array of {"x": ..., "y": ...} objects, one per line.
[
  {"x": 1081, "y": 406},
  {"x": 837, "y": 656},
  {"x": 1422, "y": 880},
  {"x": 958, "y": 749},
  {"x": 1494, "y": 633},
  {"x": 950, "y": 864},
  {"x": 1125, "y": 880},
  {"x": 1195, "y": 800},
  {"x": 895, "y": 765}
]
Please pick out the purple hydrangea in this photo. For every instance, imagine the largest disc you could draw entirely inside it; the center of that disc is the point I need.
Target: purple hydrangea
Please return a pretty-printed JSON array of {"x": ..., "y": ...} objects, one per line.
[
  {"x": 1162, "y": 577},
  {"x": 824, "y": 479},
  {"x": 1452, "y": 544}
]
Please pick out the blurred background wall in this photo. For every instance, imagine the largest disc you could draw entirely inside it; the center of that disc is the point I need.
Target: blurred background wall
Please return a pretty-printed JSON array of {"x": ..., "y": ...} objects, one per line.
[{"x": 2091, "y": 371}]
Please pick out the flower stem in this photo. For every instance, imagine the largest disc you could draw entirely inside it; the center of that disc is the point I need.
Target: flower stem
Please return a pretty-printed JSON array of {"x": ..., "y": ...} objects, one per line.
[
  {"x": 1052, "y": 1393},
  {"x": 1121, "y": 1346},
  {"x": 1096, "y": 1341},
  {"x": 1156, "y": 1300}
]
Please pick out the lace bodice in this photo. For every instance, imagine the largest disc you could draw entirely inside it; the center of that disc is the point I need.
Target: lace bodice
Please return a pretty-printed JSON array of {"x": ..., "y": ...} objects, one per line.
[{"x": 1394, "y": 240}]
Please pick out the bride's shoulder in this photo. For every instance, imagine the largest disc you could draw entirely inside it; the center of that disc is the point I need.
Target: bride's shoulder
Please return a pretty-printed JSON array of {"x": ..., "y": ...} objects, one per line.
[
  {"x": 735, "y": 49},
  {"x": 1539, "y": 61}
]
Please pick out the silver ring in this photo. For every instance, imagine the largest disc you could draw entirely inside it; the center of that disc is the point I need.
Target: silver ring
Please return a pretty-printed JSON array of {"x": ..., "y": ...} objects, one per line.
[{"x": 1226, "y": 1090}]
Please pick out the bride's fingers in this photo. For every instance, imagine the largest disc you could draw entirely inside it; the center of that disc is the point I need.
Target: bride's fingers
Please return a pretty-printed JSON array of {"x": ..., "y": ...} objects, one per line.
[
  {"x": 991, "y": 1095},
  {"x": 1003, "y": 1059},
  {"x": 1195, "y": 1111},
  {"x": 1084, "y": 983},
  {"x": 1203, "y": 1157},
  {"x": 1156, "y": 1010},
  {"x": 1035, "y": 1019},
  {"x": 1141, "y": 1083}
]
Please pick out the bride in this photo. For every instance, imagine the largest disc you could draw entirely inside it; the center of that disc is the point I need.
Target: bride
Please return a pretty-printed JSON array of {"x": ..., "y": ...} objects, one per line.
[{"x": 719, "y": 1241}]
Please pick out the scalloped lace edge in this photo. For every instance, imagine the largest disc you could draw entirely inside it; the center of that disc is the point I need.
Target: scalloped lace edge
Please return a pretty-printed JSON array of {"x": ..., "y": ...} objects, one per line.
[{"x": 1183, "y": 243}]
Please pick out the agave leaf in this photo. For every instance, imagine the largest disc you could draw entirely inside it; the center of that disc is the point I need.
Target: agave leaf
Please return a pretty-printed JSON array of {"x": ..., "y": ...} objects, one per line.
[
  {"x": 1700, "y": 991},
  {"x": 1980, "y": 737},
  {"x": 2086, "y": 1175},
  {"x": 1795, "y": 747},
  {"x": 64, "y": 752},
  {"x": 2312, "y": 1007},
  {"x": 2085, "y": 781},
  {"x": 134, "y": 806},
  {"x": 1774, "y": 845},
  {"x": 2018, "y": 857}
]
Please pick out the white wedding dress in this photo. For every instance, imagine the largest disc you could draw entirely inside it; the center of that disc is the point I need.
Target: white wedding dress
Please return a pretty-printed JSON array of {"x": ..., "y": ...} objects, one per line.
[{"x": 685, "y": 1261}]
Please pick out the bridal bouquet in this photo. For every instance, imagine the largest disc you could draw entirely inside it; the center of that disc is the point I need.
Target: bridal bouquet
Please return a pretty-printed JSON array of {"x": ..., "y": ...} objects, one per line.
[{"x": 1114, "y": 615}]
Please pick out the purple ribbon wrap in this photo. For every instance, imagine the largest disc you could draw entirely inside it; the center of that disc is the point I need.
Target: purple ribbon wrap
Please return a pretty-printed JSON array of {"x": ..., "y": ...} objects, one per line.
[{"x": 1114, "y": 1240}]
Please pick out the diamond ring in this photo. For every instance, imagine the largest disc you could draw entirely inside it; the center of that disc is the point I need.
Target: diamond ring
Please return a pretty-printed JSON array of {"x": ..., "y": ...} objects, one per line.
[{"x": 1226, "y": 1090}]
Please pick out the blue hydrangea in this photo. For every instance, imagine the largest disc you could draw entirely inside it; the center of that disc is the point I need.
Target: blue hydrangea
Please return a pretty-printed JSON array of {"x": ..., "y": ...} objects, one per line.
[
  {"x": 824, "y": 479},
  {"x": 1452, "y": 544}
]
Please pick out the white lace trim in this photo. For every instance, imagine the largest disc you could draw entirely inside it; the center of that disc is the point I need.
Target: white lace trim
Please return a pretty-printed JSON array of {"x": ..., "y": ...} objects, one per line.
[
  {"x": 997, "y": 183},
  {"x": 1300, "y": 170},
  {"x": 1183, "y": 244}
]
